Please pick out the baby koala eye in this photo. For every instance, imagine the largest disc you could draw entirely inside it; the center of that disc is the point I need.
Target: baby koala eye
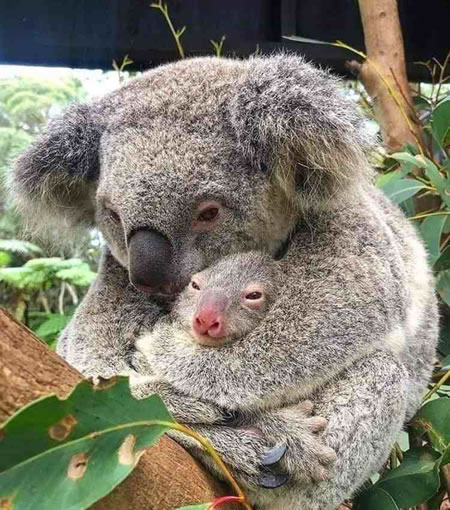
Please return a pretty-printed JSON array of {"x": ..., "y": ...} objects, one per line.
[
  {"x": 253, "y": 297},
  {"x": 207, "y": 215},
  {"x": 195, "y": 285}
]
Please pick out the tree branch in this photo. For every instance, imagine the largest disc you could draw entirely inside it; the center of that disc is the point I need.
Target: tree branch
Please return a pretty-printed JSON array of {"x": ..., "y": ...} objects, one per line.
[
  {"x": 386, "y": 56},
  {"x": 166, "y": 476}
]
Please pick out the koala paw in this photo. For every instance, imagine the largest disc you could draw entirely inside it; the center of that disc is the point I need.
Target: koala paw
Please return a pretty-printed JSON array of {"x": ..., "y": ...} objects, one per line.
[{"x": 308, "y": 458}]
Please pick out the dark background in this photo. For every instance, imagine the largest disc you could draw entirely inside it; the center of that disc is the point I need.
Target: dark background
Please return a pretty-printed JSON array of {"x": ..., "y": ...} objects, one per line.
[{"x": 91, "y": 33}]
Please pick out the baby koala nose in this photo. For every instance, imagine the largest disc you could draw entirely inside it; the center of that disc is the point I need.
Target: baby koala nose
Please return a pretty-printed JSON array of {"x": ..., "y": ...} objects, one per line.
[{"x": 209, "y": 323}]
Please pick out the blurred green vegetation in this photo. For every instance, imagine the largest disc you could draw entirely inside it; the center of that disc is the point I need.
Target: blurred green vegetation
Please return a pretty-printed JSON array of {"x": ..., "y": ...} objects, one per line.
[{"x": 40, "y": 290}]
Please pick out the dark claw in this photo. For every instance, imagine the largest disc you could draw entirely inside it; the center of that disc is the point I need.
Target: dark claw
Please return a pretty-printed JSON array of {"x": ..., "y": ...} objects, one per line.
[
  {"x": 274, "y": 455},
  {"x": 269, "y": 480}
]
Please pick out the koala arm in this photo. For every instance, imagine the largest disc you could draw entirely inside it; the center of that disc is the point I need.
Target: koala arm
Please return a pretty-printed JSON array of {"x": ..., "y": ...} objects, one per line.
[
  {"x": 361, "y": 430},
  {"x": 99, "y": 340}
]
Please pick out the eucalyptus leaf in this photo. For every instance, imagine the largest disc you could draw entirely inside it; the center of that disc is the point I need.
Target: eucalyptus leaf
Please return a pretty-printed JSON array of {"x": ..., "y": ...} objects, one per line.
[
  {"x": 446, "y": 363},
  {"x": 408, "y": 159},
  {"x": 441, "y": 183},
  {"x": 402, "y": 189},
  {"x": 70, "y": 453},
  {"x": 440, "y": 121},
  {"x": 431, "y": 229},
  {"x": 375, "y": 499},
  {"x": 416, "y": 479},
  {"x": 444, "y": 340},
  {"x": 442, "y": 263},
  {"x": 443, "y": 286},
  {"x": 433, "y": 419}
]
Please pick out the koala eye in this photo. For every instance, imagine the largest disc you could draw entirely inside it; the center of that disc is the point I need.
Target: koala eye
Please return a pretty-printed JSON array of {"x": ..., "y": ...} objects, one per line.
[
  {"x": 254, "y": 295},
  {"x": 195, "y": 285},
  {"x": 207, "y": 216},
  {"x": 113, "y": 215}
]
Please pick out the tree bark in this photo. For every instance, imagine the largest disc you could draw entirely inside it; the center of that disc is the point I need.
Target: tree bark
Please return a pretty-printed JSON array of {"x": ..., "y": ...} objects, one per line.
[
  {"x": 386, "y": 56},
  {"x": 166, "y": 476}
]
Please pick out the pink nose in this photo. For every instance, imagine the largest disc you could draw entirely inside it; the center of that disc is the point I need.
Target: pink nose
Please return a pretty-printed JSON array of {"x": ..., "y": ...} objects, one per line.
[{"x": 209, "y": 322}]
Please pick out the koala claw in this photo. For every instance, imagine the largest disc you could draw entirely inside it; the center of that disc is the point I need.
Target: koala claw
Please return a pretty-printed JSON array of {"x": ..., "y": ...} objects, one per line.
[
  {"x": 274, "y": 455},
  {"x": 270, "y": 480}
]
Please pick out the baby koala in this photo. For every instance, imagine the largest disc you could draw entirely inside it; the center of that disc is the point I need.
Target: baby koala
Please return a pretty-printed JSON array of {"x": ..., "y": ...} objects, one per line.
[
  {"x": 182, "y": 357},
  {"x": 220, "y": 306}
]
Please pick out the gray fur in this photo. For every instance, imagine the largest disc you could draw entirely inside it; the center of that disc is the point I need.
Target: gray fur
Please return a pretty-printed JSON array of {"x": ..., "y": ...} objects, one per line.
[{"x": 275, "y": 142}]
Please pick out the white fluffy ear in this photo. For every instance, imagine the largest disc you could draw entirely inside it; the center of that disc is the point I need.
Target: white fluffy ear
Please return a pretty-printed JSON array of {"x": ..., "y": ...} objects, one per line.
[
  {"x": 291, "y": 117},
  {"x": 53, "y": 180}
]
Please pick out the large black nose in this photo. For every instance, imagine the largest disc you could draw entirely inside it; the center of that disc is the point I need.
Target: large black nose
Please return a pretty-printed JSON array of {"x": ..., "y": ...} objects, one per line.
[{"x": 150, "y": 261}]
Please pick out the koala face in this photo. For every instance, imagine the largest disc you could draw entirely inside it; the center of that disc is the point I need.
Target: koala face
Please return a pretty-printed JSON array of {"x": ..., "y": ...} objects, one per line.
[
  {"x": 227, "y": 300},
  {"x": 167, "y": 211}
]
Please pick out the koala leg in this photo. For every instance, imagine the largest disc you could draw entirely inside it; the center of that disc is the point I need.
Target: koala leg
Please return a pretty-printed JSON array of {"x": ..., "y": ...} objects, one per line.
[{"x": 365, "y": 409}]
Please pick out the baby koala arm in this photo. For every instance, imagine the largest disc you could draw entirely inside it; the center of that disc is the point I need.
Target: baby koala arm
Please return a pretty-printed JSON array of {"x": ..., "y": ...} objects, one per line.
[{"x": 184, "y": 408}]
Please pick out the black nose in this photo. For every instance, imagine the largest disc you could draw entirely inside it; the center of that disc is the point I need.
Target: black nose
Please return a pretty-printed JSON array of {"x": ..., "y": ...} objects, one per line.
[{"x": 150, "y": 261}]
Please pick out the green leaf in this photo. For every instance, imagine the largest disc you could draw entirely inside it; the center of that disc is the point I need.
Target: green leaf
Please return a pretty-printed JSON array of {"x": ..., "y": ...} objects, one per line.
[
  {"x": 69, "y": 453},
  {"x": 446, "y": 363},
  {"x": 401, "y": 189},
  {"x": 440, "y": 121},
  {"x": 431, "y": 229},
  {"x": 434, "y": 419},
  {"x": 408, "y": 207},
  {"x": 442, "y": 263},
  {"x": 441, "y": 184},
  {"x": 415, "y": 480},
  {"x": 52, "y": 325},
  {"x": 375, "y": 499},
  {"x": 384, "y": 179},
  {"x": 443, "y": 286},
  {"x": 408, "y": 159},
  {"x": 444, "y": 340}
]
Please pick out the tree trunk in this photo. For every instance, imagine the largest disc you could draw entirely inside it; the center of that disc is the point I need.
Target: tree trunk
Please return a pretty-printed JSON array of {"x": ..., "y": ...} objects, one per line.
[
  {"x": 166, "y": 476},
  {"x": 386, "y": 57}
]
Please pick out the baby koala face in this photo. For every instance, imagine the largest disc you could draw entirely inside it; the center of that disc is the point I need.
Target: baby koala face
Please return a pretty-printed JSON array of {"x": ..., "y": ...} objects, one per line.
[{"x": 226, "y": 301}]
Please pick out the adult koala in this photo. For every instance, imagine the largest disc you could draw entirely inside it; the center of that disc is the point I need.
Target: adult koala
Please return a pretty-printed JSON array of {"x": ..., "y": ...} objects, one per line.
[{"x": 206, "y": 157}]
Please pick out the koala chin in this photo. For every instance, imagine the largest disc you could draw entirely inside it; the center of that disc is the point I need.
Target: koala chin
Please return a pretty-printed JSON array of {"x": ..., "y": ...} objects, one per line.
[{"x": 208, "y": 157}]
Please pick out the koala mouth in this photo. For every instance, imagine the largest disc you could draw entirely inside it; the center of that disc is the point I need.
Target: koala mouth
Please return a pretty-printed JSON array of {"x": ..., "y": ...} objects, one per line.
[{"x": 207, "y": 340}]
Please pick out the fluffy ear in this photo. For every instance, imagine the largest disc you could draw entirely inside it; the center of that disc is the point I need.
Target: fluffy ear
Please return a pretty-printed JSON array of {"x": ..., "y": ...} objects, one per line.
[
  {"x": 293, "y": 119},
  {"x": 54, "y": 180}
]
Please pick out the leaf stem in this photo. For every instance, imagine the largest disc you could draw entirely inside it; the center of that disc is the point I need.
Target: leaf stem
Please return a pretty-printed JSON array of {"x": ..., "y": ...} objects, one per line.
[
  {"x": 433, "y": 390},
  {"x": 224, "y": 500},
  {"x": 215, "y": 456},
  {"x": 426, "y": 215}
]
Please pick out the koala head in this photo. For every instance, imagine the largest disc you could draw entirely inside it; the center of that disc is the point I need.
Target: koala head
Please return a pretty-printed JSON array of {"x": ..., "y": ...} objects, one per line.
[
  {"x": 227, "y": 300},
  {"x": 193, "y": 161}
]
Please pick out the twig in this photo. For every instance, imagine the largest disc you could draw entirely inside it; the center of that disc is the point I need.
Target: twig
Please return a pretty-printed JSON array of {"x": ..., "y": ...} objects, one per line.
[
  {"x": 433, "y": 390},
  {"x": 175, "y": 33}
]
